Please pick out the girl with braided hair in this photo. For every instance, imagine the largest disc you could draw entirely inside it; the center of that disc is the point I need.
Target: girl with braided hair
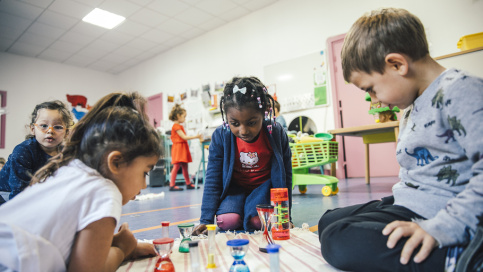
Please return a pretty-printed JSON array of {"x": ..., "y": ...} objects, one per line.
[
  {"x": 249, "y": 155},
  {"x": 66, "y": 219}
]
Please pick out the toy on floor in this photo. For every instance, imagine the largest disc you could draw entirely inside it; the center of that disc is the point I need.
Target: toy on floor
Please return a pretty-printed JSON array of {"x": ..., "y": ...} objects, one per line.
[
  {"x": 185, "y": 230},
  {"x": 265, "y": 212},
  {"x": 238, "y": 249},
  {"x": 163, "y": 249},
  {"x": 312, "y": 154},
  {"x": 211, "y": 246},
  {"x": 381, "y": 115},
  {"x": 281, "y": 214}
]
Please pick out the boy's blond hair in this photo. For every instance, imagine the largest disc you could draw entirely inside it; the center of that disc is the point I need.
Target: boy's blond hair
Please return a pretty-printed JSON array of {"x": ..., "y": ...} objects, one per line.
[{"x": 378, "y": 33}]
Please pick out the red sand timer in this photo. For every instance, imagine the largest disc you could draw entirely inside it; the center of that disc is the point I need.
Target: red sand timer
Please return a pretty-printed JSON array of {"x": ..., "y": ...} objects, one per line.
[
  {"x": 163, "y": 249},
  {"x": 265, "y": 213}
]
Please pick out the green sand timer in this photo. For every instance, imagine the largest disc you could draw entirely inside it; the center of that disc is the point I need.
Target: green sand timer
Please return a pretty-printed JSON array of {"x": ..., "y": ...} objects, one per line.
[{"x": 185, "y": 230}]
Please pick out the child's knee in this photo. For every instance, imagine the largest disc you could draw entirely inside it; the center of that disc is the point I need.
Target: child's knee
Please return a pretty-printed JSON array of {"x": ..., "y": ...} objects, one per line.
[
  {"x": 229, "y": 221},
  {"x": 256, "y": 223}
]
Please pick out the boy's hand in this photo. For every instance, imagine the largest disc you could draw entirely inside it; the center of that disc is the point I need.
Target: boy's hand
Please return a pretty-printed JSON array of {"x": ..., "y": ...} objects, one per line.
[
  {"x": 417, "y": 236},
  {"x": 125, "y": 241},
  {"x": 143, "y": 250}
]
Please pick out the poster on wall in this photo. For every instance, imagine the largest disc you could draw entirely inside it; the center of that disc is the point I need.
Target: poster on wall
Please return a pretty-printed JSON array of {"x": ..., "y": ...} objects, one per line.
[{"x": 79, "y": 106}]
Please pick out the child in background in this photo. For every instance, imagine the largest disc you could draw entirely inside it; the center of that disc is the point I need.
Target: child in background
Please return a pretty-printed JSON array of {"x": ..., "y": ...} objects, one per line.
[
  {"x": 49, "y": 126},
  {"x": 2, "y": 162},
  {"x": 67, "y": 218},
  {"x": 248, "y": 156},
  {"x": 278, "y": 117},
  {"x": 433, "y": 213},
  {"x": 180, "y": 151}
]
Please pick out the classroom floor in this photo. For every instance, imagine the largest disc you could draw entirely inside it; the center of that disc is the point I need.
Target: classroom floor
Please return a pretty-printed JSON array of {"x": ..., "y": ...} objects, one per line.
[{"x": 144, "y": 216}]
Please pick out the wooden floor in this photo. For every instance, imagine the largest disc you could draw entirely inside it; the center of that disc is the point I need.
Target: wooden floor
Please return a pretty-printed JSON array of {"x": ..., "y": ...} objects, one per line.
[{"x": 144, "y": 216}]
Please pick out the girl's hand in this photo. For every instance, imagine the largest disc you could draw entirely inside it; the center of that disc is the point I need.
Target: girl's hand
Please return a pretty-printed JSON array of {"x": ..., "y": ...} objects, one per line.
[
  {"x": 143, "y": 250},
  {"x": 417, "y": 236},
  {"x": 125, "y": 241},
  {"x": 200, "y": 229}
]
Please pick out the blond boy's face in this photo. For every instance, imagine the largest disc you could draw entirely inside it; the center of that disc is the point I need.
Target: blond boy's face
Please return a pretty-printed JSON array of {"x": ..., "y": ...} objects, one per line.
[{"x": 389, "y": 88}]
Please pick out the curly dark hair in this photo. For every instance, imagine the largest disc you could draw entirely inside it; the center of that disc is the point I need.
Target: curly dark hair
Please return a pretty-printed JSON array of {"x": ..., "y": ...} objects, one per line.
[
  {"x": 57, "y": 105},
  {"x": 175, "y": 111},
  {"x": 255, "y": 95}
]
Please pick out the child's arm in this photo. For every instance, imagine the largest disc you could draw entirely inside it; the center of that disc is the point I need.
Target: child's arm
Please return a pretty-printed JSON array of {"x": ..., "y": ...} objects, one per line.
[
  {"x": 186, "y": 138},
  {"x": 95, "y": 248}
]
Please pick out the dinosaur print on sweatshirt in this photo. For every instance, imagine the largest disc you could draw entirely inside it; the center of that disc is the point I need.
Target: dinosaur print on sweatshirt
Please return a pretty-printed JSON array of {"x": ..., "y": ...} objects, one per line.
[
  {"x": 422, "y": 155},
  {"x": 455, "y": 125}
]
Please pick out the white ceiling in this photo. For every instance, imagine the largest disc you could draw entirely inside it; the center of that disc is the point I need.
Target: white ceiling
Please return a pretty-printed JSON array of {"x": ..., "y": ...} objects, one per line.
[{"x": 53, "y": 30}]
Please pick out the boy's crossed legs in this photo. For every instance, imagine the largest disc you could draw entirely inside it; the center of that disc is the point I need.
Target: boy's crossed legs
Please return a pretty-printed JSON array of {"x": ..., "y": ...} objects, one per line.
[{"x": 351, "y": 239}]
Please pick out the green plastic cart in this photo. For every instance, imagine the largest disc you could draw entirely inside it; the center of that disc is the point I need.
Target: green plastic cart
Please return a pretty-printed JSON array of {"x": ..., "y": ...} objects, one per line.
[{"x": 313, "y": 154}]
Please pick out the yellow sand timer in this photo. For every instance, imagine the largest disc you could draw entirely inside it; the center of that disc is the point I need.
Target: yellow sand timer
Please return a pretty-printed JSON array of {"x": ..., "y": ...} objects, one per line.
[{"x": 211, "y": 246}]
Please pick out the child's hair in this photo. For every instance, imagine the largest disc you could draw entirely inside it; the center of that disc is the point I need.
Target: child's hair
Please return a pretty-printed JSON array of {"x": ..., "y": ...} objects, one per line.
[
  {"x": 246, "y": 92},
  {"x": 175, "y": 111},
  {"x": 277, "y": 105},
  {"x": 52, "y": 105},
  {"x": 2, "y": 161},
  {"x": 116, "y": 122},
  {"x": 379, "y": 33}
]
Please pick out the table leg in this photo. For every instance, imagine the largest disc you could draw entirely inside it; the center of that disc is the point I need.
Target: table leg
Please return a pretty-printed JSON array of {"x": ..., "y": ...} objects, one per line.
[{"x": 367, "y": 165}]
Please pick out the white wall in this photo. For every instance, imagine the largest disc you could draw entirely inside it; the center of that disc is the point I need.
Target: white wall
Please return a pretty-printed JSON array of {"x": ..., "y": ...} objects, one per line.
[
  {"x": 29, "y": 82},
  {"x": 286, "y": 30}
]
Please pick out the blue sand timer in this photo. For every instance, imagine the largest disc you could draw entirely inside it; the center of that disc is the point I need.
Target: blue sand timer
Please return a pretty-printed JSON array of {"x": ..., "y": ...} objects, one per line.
[{"x": 238, "y": 249}]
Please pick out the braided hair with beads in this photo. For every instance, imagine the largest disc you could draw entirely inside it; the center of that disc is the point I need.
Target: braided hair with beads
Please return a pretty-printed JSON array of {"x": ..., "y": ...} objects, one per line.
[{"x": 247, "y": 92}]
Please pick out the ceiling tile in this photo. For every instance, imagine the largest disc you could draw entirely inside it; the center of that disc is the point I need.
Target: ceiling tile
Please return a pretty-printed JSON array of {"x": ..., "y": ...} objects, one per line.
[
  {"x": 77, "y": 38},
  {"x": 212, "y": 24},
  {"x": 36, "y": 39},
  {"x": 258, "y": 4},
  {"x": 46, "y": 30},
  {"x": 169, "y": 8},
  {"x": 120, "y": 7},
  {"x": 70, "y": 8},
  {"x": 14, "y": 21},
  {"x": 26, "y": 49},
  {"x": 193, "y": 16},
  {"x": 55, "y": 55},
  {"x": 66, "y": 46},
  {"x": 9, "y": 33},
  {"x": 174, "y": 26},
  {"x": 115, "y": 58},
  {"x": 118, "y": 69},
  {"x": 90, "y": 3},
  {"x": 128, "y": 51},
  {"x": 88, "y": 29},
  {"x": 215, "y": 7},
  {"x": 132, "y": 28},
  {"x": 234, "y": 14},
  {"x": 141, "y": 44},
  {"x": 157, "y": 36},
  {"x": 117, "y": 37},
  {"x": 39, "y": 3},
  {"x": 92, "y": 52},
  {"x": 103, "y": 46},
  {"x": 101, "y": 65},
  {"x": 21, "y": 9},
  {"x": 175, "y": 41},
  {"x": 141, "y": 2},
  {"x": 241, "y": 2},
  {"x": 58, "y": 20},
  {"x": 191, "y": 2},
  {"x": 148, "y": 17}
]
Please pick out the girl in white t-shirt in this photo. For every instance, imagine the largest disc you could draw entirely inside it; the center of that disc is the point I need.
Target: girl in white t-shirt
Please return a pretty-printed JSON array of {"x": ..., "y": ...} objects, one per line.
[{"x": 67, "y": 218}]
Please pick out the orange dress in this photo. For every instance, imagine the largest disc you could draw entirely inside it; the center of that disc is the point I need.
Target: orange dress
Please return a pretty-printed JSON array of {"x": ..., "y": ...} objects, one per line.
[{"x": 180, "y": 151}]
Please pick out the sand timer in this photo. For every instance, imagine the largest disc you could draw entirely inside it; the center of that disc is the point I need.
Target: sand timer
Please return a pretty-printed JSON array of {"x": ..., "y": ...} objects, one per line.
[
  {"x": 185, "y": 230},
  {"x": 164, "y": 229},
  {"x": 265, "y": 213},
  {"x": 163, "y": 249},
  {"x": 211, "y": 246},
  {"x": 281, "y": 214},
  {"x": 238, "y": 249}
]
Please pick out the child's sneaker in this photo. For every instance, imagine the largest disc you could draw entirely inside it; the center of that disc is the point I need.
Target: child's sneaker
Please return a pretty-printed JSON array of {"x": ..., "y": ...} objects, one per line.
[
  {"x": 175, "y": 188},
  {"x": 471, "y": 260}
]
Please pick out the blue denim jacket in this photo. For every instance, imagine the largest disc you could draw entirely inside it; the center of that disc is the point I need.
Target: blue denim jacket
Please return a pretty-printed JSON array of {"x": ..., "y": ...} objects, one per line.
[{"x": 220, "y": 168}]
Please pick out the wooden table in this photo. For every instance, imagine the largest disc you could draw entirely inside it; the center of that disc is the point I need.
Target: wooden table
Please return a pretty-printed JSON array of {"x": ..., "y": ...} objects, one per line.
[{"x": 371, "y": 134}]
